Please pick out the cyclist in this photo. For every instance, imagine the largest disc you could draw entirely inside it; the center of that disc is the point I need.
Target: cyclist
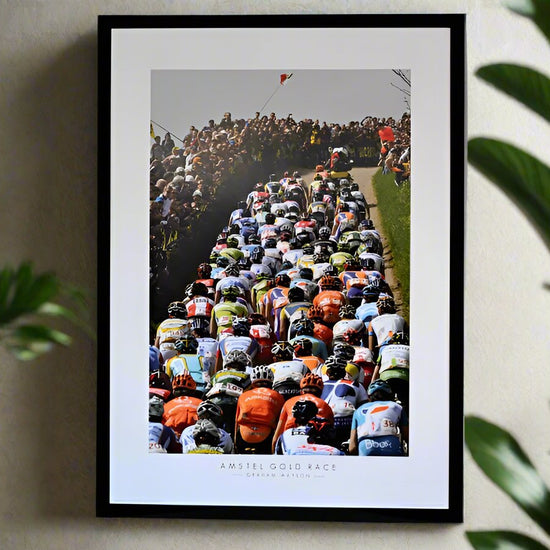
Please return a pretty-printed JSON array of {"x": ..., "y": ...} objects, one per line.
[
  {"x": 330, "y": 299},
  {"x": 233, "y": 278},
  {"x": 239, "y": 340},
  {"x": 342, "y": 395},
  {"x": 162, "y": 439},
  {"x": 311, "y": 387},
  {"x": 296, "y": 307},
  {"x": 377, "y": 425},
  {"x": 207, "y": 438},
  {"x": 181, "y": 411},
  {"x": 303, "y": 350},
  {"x": 199, "y": 307},
  {"x": 263, "y": 335},
  {"x": 228, "y": 384},
  {"x": 203, "y": 272},
  {"x": 347, "y": 322},
  {"x": 304, "y": 328},
  {"x": 287, "y": 371},
  {"x": 224, "y": 312},
  {"x": 207, "y": 411},
  {"x": 386, "y": 324},
  {"x": 171, "y": 329},
  {"x": 187, "y": 361},
  {"x": 257, "y": 414}
]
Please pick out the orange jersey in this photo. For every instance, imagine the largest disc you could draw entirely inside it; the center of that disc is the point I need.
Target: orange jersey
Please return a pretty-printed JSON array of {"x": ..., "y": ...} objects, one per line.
[
  {"x": 330, "y": 302},
  {"x": 260, "y": 406},
  {"x": 323, "y": 333},
  {"x": 288, "y": 421},
  {"x": 311, "y": 361},
  {"x": 180, "y": 413}
]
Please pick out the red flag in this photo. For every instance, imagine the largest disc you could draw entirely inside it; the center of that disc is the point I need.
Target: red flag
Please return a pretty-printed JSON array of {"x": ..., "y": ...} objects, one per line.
[{"x": 285, "y": 77}]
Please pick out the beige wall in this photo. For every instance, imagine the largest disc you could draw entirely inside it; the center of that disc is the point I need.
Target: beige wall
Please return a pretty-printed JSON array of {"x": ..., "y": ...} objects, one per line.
[{"x": 48, "y": 213}]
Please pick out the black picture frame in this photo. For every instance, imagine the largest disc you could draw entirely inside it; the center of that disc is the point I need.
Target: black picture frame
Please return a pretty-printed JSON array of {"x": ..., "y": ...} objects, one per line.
[{"x": 109, "y": 64}]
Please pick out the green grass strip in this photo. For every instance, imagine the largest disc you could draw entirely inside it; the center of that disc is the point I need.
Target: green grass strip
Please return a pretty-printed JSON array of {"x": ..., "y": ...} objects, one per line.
[{"x": 394, "y": 206}]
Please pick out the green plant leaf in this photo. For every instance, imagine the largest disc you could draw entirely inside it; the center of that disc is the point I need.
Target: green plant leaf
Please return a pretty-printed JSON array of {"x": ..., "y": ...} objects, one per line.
[
  {"x": 522, "y": 83},
  {"x": 524, "y": 178},
  {"x": 500, "y": 457},
  {"x": 6, "y": 279},
  {"x": 56, "y": 310},
  {"x": 536, "y": 10},
  {"x": 502, "y": 540},
  {"x": 29, "y": 334}
]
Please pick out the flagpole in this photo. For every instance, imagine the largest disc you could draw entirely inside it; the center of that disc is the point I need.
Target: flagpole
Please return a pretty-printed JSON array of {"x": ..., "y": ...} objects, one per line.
[
  {"x": 163, "y": 128},
  {"x": 269, "y": 99}
]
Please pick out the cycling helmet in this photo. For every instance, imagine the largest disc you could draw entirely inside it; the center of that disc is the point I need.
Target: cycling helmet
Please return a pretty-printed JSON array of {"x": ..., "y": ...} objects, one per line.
[
  {"x": 306, "y": 273},
  {"x": 270, "y": 243},
  {"x": 257, "y": 254},
  {"x": 294, "y": 244},
  {"x": 371, "y": 292},
  {"x": 368, "y": 264},
  {"x": 354, "y": 186},
  {"x": 257, "y": 319},
  {"x": 346, "y": 312},
  {"x": 222, "y": 261},
  {"x": 261, "y": 373},
  {"x": 177, "y": 309},
  {"x": 221, "y": 238},
  {"x": 282, "y": 279},
  {"x": 183, "y": 382},
  {"x": 237, "y": 357},
  {"x": 315, "y": 312},
  {"x": 385, "y": 304},
  {"x": 380, "y": 386},
  {"x": 209, "y": 410},
  {"x": 341, "y": 349},
  {"x": 329, "y": 282},
  {"x": 159, "y": 379},
  {"x": 343, "y": 246},
  {"x": 156, "y": 406},
  {"x": 234, "y": 229},
  {"x": 241, "y": 326},
  {"x": 304, "y": 410},
  {"x": 303, "y": 327},
  {"x": 311, "y": 380},
  {"x": 344, "y": 182},
  {"x": 321, "y": 257},
  {"x": 231, "y": 290},
  {"x": 232, "y": 270},
  {"x": 206, "y": 432},
  {"x": 258, "y": 186},
  {"x": 214, "y": 255},
  {"x": 232, "y": 242},
  {"x": 282, "y": 350},
  {"x": 367, "y": 224},
  {"x": 296, "y": 294},
  {"x": 204, "y": 270},
  {"x": 198, "y": 289},
  {"x": 286, "y": 265},
  {"x": 335, "y": 362},
  {"x": 324, "y": 232},
  {"x": 270, "y": 218},
  {"x": 400, "y": 338},
  {"x": 307, "y": 248},
  {"x": 253, "y": 239},
  {"x": 188, "y": 344},
  {"x": 280, "y": 212},
  {"x": 302, "y": 347},
  {"x": 331, "y": 270}
]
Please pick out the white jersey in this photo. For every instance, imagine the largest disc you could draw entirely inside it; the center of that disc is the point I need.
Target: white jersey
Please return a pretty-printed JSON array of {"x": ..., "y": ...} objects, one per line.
[
  {"x": 394, "y": 355},
  {"x": 293, "y": 256},
  {"x": 340, "y": 328},
  {"x": 386, "y": 325},
  {"x": 343, "y": 396},
  {"x": 207, "y": 352},
  {"x": 295, "y": 442},
  {"x": 284, "y": 370},
  {"x": 168, "y": 332}
]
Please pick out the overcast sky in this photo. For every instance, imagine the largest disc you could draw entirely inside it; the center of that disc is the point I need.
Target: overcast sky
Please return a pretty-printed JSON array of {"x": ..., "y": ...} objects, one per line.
[{"x": 180, "y": 99}]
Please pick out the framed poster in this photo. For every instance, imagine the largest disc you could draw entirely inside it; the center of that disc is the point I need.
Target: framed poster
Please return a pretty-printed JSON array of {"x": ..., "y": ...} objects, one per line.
[{"x": 171, "y": 76}]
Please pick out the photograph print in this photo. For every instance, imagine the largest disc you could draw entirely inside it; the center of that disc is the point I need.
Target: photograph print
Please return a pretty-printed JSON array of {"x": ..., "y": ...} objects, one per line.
[{"x": 279, "y": 289}]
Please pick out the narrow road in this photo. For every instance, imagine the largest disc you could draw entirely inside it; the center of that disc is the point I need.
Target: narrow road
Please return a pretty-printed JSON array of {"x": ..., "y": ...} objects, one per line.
[{"x": 363, "y": 177}]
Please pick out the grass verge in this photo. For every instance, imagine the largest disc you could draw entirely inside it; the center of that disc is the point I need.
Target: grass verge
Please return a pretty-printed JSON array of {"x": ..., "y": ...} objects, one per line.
[{"x": 394, "y": 206}]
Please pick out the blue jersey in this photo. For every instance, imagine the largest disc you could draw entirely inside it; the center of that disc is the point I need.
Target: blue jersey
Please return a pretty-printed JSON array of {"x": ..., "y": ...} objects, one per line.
[{"x": 367, "y": 312}]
